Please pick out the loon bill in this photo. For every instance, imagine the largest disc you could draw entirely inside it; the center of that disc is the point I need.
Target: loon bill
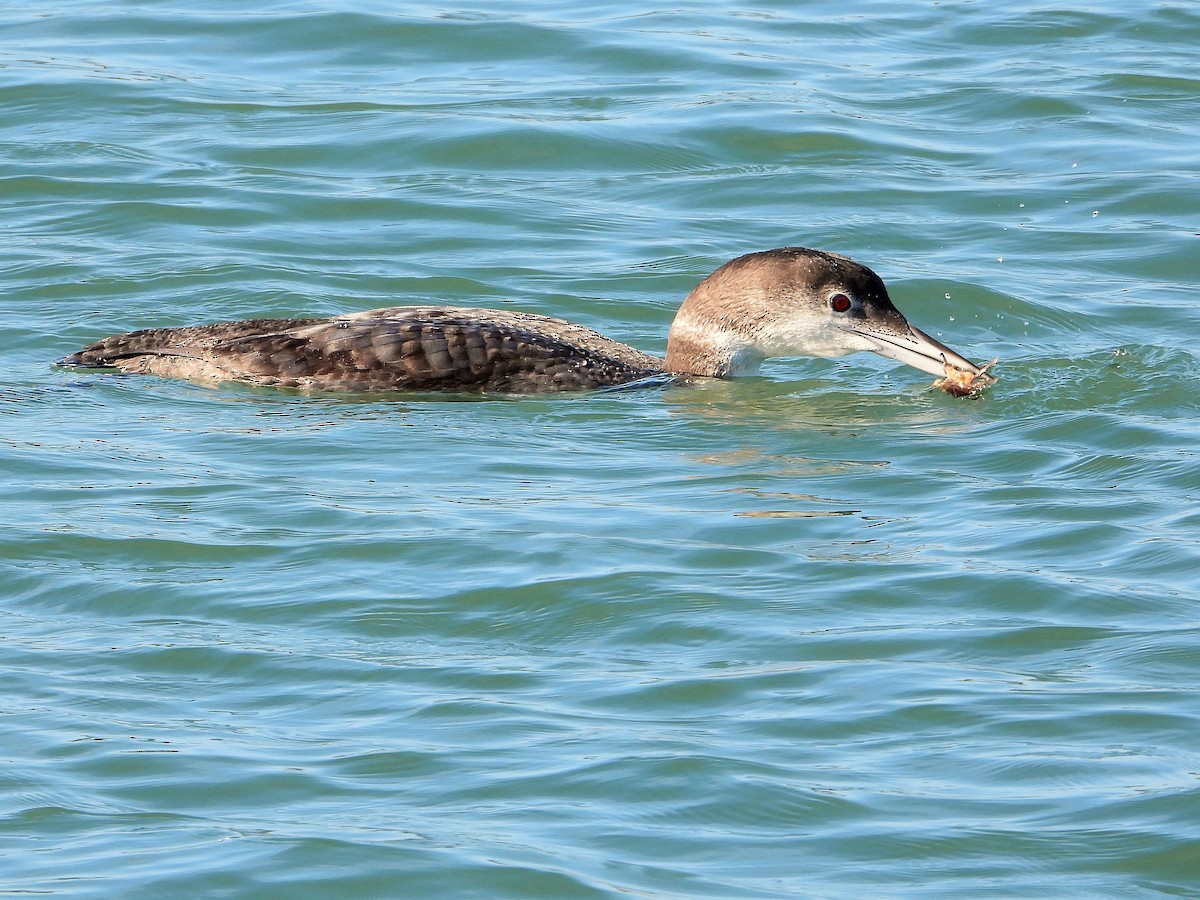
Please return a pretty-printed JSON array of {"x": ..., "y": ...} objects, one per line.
[{"x": 787, "y": 302}]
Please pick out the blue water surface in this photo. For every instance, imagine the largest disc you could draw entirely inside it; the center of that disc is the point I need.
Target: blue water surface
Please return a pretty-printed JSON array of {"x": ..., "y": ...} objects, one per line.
[{"x": 823, "y": 632}]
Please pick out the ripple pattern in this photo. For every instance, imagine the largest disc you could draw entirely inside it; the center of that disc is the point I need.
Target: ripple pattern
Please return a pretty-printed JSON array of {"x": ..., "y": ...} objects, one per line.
[{"x": 820, "y": 633}]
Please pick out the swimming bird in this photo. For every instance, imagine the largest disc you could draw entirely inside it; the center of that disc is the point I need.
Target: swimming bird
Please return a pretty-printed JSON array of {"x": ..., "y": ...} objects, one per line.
[{"x": 792, "y": 301}]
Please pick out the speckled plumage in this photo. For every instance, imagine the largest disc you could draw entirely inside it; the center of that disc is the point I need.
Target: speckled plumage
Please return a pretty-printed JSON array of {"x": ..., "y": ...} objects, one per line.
[{"x": 400, "y": 348}]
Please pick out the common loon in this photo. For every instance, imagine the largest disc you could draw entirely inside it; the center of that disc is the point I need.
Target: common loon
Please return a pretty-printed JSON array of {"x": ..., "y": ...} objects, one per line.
[{"x": 785, "y": 302}]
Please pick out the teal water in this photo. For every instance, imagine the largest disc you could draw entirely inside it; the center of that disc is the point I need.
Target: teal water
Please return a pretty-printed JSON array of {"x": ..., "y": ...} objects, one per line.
[{"x": 821, "y": 633}]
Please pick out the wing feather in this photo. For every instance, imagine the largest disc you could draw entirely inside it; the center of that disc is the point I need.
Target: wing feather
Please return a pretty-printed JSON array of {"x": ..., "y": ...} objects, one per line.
[{"x": 397, "y": 348}]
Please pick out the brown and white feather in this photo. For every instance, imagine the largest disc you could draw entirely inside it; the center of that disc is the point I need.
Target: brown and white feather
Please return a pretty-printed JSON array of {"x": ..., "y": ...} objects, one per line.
[{"x": 400, "y": 348}]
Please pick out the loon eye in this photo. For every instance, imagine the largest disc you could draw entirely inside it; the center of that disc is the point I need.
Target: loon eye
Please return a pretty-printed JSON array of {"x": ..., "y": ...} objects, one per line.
[{"x": 840, "y": 303}]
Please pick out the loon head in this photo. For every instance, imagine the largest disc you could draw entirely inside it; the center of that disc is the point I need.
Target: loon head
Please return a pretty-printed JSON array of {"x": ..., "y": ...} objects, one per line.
[{"x": 795, "y": 302}]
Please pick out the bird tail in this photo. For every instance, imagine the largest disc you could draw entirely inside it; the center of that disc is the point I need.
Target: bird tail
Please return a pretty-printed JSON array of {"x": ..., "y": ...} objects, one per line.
[{"x": 106, "y": 353}]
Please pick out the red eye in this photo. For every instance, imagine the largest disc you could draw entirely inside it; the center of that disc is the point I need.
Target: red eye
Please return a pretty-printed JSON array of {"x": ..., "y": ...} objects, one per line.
[{"x": 840, "y": 303}]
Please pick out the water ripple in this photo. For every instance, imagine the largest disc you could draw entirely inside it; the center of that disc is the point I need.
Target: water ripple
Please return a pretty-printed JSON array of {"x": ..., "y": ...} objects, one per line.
[{"x": 822, "y": 631}]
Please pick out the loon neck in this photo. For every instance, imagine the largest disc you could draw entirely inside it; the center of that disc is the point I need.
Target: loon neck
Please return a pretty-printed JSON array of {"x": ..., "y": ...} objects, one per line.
[
  {"x": 699, "y": 345},
  {"x": 722, "y": 326}
]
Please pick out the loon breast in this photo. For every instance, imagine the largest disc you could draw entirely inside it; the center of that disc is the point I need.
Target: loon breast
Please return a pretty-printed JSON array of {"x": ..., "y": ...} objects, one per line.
[{"x": 399, "y": 348}]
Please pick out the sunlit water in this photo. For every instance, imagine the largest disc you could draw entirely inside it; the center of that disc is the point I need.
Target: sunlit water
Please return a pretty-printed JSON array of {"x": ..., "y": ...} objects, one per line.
[{"x": 820, "y": 633}]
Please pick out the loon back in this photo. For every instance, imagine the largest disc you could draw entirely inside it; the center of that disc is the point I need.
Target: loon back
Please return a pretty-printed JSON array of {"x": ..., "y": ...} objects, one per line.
[{"x": 399, "y": 348}]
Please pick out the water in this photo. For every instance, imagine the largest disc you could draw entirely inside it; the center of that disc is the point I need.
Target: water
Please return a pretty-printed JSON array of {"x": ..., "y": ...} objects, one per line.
[{"x": 821, "y": 633}]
